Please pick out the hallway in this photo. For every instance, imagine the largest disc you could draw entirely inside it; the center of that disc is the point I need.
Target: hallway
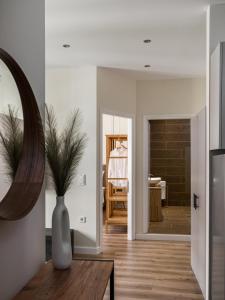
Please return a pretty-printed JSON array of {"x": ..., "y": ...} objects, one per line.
[{"x": 151, "y": 269}]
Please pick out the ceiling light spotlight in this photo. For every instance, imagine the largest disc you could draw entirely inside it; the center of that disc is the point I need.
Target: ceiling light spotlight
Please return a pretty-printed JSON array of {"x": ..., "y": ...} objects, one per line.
[
  {"x": 147, "y": 41},
  {"x": 147, "y": 66},
  {"x": 66, "y": 46}
]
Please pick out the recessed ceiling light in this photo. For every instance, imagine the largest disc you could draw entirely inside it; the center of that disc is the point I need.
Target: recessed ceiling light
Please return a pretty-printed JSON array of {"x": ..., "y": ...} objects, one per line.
[
  {"x": 66, "y": 46},
  {"x": 147, "y": 66},
  {"x": 147, "y": 41}
]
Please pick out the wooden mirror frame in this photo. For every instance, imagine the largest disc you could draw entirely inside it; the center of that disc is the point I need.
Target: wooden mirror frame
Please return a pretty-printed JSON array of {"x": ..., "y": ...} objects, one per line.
[{"x": 26, "y": 187}]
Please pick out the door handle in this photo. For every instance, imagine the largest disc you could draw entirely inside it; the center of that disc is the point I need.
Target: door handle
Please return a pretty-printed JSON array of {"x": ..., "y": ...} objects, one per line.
[{"x": 195, "y": 202}]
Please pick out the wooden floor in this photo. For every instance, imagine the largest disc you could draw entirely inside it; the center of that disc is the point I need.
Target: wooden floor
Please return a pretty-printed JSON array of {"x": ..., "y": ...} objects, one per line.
[
  {"x": 149, "y": 269},
  {"x": 176, "y": 220}
]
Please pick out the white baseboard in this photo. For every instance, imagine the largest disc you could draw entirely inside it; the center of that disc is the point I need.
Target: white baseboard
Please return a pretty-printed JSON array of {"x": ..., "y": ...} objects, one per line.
[
  {"x": 87, "y": 250},
  {"x": 163, "y": 237}
]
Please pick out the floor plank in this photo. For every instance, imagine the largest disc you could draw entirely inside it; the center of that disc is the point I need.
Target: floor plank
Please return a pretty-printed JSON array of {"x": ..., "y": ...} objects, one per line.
[
  {"x": 157, "y": 270},
  {"x": 176, "y": 220}
]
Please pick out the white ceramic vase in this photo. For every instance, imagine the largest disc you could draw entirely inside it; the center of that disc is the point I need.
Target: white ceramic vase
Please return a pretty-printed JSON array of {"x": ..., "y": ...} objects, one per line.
[{"x": 61, "y": 239}]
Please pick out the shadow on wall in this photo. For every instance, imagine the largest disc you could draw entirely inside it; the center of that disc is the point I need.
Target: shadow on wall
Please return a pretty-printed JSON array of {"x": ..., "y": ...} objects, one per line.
[
  {"x": 75, "y": 237},
  {"x": 83, "y": 240}
]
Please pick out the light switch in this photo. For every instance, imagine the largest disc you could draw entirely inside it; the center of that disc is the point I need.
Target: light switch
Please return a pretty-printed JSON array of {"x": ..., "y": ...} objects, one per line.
[{"x": 82, "y": 180}]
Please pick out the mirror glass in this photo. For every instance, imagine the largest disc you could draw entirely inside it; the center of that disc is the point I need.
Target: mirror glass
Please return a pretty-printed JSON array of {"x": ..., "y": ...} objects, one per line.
[{"x": 11, "y": 128}]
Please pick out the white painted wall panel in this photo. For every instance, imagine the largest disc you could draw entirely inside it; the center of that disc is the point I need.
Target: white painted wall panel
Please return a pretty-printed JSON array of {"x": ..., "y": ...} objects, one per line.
[
  {"x": 22, "y": 242},
  {"x": 68, "y": 89}
]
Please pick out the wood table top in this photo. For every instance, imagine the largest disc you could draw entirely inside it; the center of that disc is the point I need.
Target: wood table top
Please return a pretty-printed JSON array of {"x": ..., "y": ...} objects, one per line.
[{"x": 84, "y": 280}]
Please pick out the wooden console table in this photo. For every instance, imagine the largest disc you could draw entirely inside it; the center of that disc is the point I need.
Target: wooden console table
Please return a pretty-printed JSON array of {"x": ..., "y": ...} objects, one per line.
[{"x": 84, "y": 280}]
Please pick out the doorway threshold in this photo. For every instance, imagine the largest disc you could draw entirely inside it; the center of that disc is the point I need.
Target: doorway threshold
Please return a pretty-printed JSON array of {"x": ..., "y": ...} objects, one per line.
[{"x": 163, "y": 237}]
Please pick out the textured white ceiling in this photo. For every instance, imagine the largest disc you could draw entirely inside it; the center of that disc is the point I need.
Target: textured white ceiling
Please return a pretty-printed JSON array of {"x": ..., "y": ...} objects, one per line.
[{"x": 110, "y": 33}]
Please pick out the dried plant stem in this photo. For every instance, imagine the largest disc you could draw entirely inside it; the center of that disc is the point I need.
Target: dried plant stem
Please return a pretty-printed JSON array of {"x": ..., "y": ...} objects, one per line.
[{"x": 64, "y": 151}]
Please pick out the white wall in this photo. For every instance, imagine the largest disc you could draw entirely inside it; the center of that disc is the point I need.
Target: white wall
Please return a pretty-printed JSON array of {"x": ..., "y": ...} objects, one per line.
[
  {"x": 116, "y": 92},
  {"x": 67, "y": 89},
  {"x": 162, "y": 97},
  {"x": 173, "y": 96},
  {"x": 22, "y": 245}
]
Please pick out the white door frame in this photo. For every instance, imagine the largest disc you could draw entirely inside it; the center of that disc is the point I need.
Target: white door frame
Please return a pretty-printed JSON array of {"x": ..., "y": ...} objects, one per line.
[
  {"x": 131, "y": 203},
  {"x": 146, "y": 235}
]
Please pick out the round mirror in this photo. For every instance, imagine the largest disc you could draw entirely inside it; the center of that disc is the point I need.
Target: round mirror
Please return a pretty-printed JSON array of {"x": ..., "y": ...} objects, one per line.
[{"x": 21, "y": 142}]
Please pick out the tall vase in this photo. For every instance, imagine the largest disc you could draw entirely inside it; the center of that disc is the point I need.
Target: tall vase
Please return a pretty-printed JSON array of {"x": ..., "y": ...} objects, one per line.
[{"x": 61, "y": 239}]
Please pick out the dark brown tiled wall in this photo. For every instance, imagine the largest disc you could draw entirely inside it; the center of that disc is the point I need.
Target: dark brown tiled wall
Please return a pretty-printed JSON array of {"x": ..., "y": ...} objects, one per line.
[{"x": 170, "y": 157}]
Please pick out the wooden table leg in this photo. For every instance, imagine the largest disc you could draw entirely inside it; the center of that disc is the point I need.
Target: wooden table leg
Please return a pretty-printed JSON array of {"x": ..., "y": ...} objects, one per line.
[{"x": 112, "y": 285}]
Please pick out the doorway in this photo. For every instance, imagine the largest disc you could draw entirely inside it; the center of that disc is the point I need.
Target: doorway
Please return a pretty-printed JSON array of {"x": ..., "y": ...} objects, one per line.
[
  {"x": 117, "y": 180},
  {"x": 169, "y": 188},
  {"x": 173, "y": 222}
]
